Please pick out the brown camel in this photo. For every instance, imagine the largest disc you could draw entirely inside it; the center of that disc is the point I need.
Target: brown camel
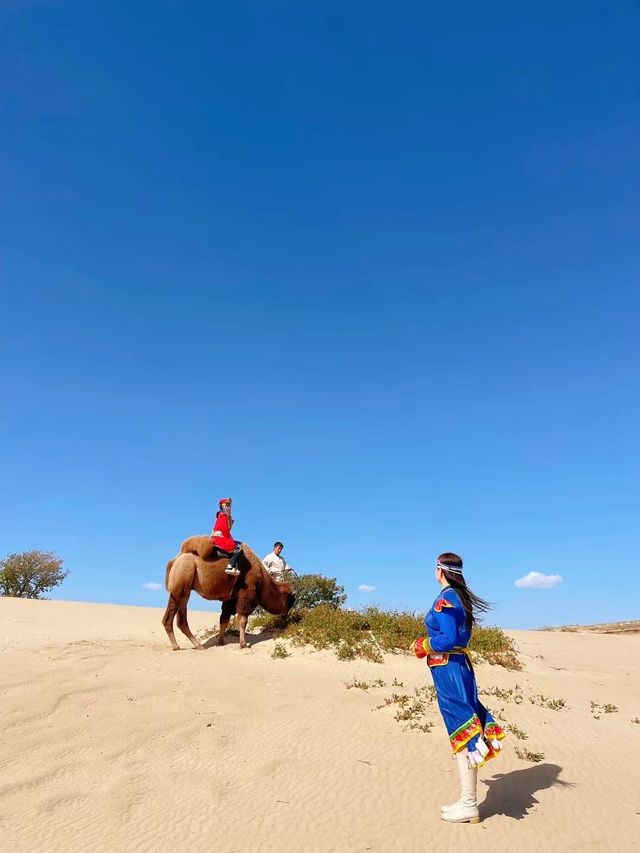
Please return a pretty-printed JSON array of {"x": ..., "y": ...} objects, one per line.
[{"x": 240, "y": 594}]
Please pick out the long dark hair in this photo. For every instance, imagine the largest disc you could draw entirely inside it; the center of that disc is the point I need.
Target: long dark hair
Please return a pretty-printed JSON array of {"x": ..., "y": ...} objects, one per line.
[{"x": 474, "y": 605}]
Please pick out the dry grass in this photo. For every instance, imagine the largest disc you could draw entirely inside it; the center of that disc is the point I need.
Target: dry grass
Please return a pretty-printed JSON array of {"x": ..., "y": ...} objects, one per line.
[
  {"x": 517, "y": 732},
  {"x": 597, "y": 710},
  {"x": 412, "y": 711},
  {"x": 363, "y": 685},
  {"x": 629, "y": 627}
]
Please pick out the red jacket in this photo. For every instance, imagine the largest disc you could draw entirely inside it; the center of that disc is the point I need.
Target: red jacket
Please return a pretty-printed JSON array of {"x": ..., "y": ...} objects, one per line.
[{"x": 221, "y": 533}]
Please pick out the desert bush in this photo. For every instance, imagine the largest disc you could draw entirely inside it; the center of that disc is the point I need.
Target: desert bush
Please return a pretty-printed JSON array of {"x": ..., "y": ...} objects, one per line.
[
  {"x": 547, "y": 702},
  {"x": 393, "y": 629},
  {"x": 314, "y": 590},
  {"x": 527, "y": 755},
  {"x": 346, "y": 631},
  {"x": 280, "y": 651},
  {"x": 597, "y": 709},
  {"x": 363, "y": 685},
  {"x": 495, "y": 647},
  {"x": 371, "y": 632},
  {"x": 30, "y": 574},
  {"x": 510, "y": 694},
  {"x": 412, "y": 711}
]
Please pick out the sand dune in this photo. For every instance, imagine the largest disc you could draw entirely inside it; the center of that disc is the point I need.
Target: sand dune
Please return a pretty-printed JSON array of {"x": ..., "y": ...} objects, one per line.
[{"x": 112, "y": 742}]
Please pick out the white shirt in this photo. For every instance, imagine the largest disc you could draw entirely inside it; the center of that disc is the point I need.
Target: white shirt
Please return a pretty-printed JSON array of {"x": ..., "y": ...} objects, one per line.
[{"x": 276, "y": 565}]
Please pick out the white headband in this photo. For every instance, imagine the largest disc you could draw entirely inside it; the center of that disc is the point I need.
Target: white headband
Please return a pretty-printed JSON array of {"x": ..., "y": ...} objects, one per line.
[{"x": 457, "y": 570}]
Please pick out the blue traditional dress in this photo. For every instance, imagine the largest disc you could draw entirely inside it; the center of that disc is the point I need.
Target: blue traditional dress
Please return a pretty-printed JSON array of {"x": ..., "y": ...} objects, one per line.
[{"x": 468, "y": 722}]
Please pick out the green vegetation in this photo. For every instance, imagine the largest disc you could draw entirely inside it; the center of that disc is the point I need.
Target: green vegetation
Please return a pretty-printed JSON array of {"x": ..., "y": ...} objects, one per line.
[
  {"x": 546, "y": 702},
  {"x": 492, "y": 645},
  {"x": 363, "y": 685},
  {"x": 314, "y": 590},
  {"x": 597, "y": 709},
  {"x": 513, "y": 694},
  {"x": 30, "y": 574},
  {"x": 370, "y": 633},
  {"x": 412, "y": 710},
  {"x": 280, "y": 650},
  {"x": 527, "y": 755},
  {"x": 517, "y": 732}
]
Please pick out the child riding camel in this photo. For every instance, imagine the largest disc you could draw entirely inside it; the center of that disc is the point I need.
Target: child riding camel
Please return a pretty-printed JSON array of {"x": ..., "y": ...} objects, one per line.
[{"x": 221, "y": 536}]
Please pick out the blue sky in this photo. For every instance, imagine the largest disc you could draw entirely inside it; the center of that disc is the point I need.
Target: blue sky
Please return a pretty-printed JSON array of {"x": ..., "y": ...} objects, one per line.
[{"x": 372, "y": 270}]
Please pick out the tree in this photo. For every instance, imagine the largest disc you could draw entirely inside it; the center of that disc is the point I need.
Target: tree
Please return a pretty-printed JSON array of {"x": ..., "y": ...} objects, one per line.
[
  {"x": 30, "y": 574},
  {"x": 311, "y": 590}
]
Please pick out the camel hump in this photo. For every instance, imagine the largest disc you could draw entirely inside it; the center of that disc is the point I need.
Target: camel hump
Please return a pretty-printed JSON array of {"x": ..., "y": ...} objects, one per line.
[
  {"x": 204, "y": 547},
  {"x": 201, "y": 546},
  {"x": 249, "y": 553}
]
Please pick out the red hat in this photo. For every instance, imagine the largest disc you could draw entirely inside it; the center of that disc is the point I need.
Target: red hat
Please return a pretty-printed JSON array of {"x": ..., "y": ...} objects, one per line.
[{"x": 224, "y": 501}]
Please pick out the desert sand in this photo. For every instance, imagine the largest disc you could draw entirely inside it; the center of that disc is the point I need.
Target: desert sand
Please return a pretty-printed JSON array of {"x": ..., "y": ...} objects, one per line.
[{"x": 113, "y": 742}]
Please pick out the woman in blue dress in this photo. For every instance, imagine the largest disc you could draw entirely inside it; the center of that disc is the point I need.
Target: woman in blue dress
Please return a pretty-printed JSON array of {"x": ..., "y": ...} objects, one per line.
[{"x": 473, "y": 733}]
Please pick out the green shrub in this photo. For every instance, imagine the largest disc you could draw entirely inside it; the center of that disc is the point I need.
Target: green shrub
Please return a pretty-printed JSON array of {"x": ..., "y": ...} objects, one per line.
[
  {"x": 363, "y": 685},
  {"x": 280, "y": 651},
  {"x": 527, "y": 755},
  {"x": 511, "y": 694},
  {"x": 314, "y": 590},
  {"x": 412, "y": 711},
  {"x": 346, "y": 631},
  {"x": 519, "y": 733},
  {"x": 493, "y": 646},
  {"x": 371, "y": 632},
  {"x": 547, "y": 702},
  {"x": 30, "y": 574}
]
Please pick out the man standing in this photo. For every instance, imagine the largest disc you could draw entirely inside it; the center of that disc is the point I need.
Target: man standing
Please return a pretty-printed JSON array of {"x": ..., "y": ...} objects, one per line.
[{"x": 276, "y": 564}]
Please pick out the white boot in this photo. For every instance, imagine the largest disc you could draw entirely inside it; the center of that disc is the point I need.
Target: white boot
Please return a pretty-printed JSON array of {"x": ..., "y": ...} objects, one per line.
[
  {"x": 445, "y": 809},
  {"x": 458, "y": 802},
  {"x": 466, "y": 809},
  {"x": 455, "y": 805}
]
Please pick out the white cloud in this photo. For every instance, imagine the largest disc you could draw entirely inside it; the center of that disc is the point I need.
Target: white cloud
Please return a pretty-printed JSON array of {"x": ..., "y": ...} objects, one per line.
[
  {"x": 536, "y": 580},
  {"x": 151, "y": 585},
  {"x": 365, "y": 587}
]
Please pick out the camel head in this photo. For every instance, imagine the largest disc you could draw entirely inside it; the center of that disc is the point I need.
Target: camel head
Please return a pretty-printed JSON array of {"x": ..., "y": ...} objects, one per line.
[{"x": 289, "y": 599}]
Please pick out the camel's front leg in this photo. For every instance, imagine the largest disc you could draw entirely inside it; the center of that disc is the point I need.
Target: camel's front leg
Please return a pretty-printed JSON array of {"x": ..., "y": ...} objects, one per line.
[{"x": 242, "y": 623}]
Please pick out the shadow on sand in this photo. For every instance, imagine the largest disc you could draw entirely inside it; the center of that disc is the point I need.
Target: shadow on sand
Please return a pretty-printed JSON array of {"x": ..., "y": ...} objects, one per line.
[
  {"x": 513, "y": 794},
  {"x": 232, "y": 638}
]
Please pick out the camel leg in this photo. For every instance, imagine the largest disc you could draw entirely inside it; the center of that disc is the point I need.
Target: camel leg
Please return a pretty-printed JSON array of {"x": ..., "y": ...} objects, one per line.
[
  {"x": 242, "y": 623},
  {"x": 183, "y": 624},
  {"x": 228, "y": 609},
  {"x": 167, "y": 621}
]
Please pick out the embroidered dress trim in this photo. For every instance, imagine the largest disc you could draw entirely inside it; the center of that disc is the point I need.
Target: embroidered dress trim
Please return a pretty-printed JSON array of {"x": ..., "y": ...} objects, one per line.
[
  {"x": 492, "y": 731},
  {"x": 438, "y": 659},
  {"x": 440, "y": 603},
  {"x": 442, "y": 658},
  {"x": 484, "y": 751},
  {"x": 461, "y": 737},
  {"x": 487, "y": 746}
]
